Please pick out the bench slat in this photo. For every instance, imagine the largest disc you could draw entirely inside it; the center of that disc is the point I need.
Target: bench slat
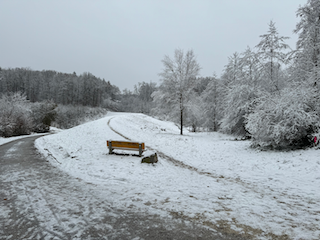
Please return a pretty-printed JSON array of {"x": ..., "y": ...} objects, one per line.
[
  {"x": 129, "y": 149},
  {"x": 131, "y": 145}
]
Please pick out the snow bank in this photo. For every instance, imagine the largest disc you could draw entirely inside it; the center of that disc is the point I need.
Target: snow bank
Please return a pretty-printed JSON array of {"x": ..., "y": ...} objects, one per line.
[{"x": 218, "y": 179}]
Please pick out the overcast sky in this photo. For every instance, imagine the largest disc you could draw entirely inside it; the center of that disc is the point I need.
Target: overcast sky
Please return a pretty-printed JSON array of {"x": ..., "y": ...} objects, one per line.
[{"x": 124, "y": 41}]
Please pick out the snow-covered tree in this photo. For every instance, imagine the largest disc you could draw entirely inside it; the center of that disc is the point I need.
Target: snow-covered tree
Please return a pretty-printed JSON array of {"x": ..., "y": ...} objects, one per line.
[
  {"x": 250, "y": 68},
  {"x": 307, "y": 59},
  {"x": 43, "y": 114},
  {"x": 178, "y": 79},
  {"x": 211, "y": 99},
  {"x": 249, "y": 76},
  {"x": 240, "y": 82},
  {"x": 232, "y": 71},
  {"x": 272, "y": 55},
  {"x": 197, "y": 106},
  {"x": 68, "y": 116},
  {"x": 140, "y": 100},
  {"x": 15, "y": 115},
  {"x": 284, "y": 120},
  {"x": 143, "y": 92},
  {"x": 194, "y": 113},
  {"x": 237, "y": 104}
]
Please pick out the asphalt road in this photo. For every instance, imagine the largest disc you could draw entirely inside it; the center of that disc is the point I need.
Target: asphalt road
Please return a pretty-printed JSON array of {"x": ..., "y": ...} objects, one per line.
[{"x": 39, "y": 201}]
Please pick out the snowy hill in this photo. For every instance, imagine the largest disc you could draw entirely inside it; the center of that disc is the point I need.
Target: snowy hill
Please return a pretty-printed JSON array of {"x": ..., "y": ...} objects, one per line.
[{"x": 206, "y": 177}]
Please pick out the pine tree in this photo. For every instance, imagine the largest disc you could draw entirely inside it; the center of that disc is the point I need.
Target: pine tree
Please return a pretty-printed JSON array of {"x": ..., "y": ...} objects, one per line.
[{"x": 271, "y": 54}]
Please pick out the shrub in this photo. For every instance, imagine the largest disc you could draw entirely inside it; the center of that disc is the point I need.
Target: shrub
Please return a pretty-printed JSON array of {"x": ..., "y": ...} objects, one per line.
[
  {"x": 69, "y": 116},
  {"x": 43, "y": 115},
  {"x": 287, "y": 120},
  {"x": 15, "y": 115}
]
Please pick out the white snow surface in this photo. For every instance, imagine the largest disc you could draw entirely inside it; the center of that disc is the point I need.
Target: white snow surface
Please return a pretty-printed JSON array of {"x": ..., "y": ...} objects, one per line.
[
  {"x": 205, "y": 176},
  {"x": 10, "y": 139}
]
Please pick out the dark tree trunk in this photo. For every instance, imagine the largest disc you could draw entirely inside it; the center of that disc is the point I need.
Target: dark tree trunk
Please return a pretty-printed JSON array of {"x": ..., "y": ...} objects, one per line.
[
  {"x": 181, "y": 115},
  {"x": 181, "y": 122}
]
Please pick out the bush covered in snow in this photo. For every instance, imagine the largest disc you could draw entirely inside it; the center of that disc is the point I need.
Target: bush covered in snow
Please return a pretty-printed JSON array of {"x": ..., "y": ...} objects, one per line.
[
  {"x": 236, "y": 107},
  {"x": 69, "y": 116},
  {"x": 18, "y": 116},
  {"x": 284, "y": 120},
  {"x": 15, "y": 115},
  {"x": 43, "y": 115}
]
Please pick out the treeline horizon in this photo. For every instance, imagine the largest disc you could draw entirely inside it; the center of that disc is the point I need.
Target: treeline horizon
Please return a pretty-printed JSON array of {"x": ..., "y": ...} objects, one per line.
[
  {"x": 72, "y": 89},
  {"x": 61, "y": 88}
]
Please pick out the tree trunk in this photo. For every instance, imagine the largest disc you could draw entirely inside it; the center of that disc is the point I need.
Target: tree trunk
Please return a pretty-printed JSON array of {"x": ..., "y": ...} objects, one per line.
[
  {"x": 181, "y": 122},
  {"x": 181, "y": 115}
]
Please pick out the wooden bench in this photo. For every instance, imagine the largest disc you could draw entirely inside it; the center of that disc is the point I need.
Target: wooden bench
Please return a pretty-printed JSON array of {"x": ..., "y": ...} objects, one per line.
[{"x": 123, "y": 145}]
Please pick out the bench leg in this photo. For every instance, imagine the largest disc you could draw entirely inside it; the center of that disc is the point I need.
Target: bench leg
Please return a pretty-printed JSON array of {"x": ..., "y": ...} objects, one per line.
[
  {"x": 140, "y": 150},
  {"x": 110, "y": 147}
]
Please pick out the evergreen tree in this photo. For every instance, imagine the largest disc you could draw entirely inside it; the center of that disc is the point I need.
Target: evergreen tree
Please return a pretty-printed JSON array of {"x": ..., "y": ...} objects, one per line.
[{"x": 271, "y": 54}]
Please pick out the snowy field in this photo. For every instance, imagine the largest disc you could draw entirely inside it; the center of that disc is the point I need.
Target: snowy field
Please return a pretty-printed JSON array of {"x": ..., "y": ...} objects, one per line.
[{"x": 205, "y": 177}]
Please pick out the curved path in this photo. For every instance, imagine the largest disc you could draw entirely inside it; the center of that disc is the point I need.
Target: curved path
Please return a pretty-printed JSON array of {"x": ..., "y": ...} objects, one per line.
[{"x": 38, "y": 201}]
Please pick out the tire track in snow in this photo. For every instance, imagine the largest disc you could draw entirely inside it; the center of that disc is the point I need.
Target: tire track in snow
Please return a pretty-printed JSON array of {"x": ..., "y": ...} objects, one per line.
[
  {"x": 117, "y": 131},
  {"x": 192, "y": 168},
  {"x": 300, "y": 203}
]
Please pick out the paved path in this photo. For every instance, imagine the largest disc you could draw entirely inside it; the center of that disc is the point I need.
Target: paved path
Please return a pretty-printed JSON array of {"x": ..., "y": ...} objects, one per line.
[{"x": 38, "y": 201}]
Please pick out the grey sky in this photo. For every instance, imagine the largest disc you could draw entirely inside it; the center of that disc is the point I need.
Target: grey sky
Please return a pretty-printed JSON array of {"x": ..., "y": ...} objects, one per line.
[{"x": 124, "y": 41}]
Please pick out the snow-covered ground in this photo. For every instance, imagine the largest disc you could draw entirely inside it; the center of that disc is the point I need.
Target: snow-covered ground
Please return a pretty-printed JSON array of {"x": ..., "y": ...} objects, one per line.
[
  {"x": 207, "y": 177},
  {"x": 10, "y": 139}
]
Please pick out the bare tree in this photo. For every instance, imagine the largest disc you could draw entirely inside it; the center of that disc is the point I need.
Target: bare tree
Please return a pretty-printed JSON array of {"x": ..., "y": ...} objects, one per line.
[{"x": 178, "y": 80}]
